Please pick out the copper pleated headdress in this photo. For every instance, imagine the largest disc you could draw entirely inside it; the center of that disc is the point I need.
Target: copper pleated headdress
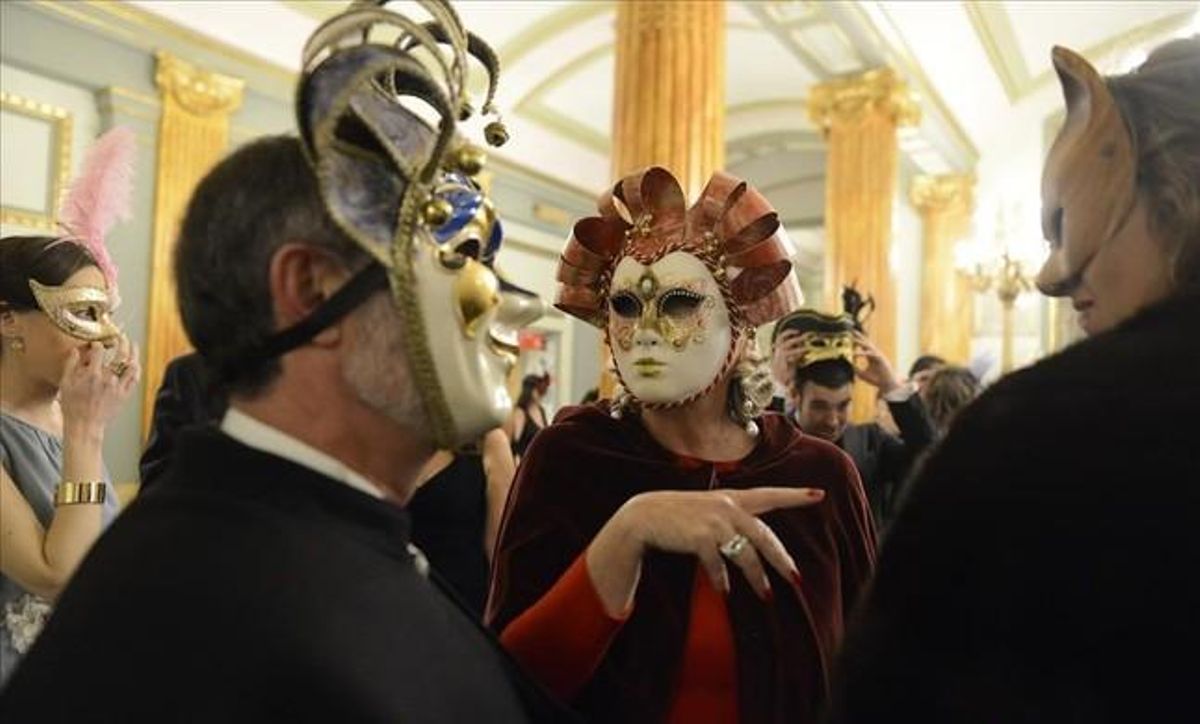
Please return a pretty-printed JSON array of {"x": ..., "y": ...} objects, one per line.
[{"x": 732, "y": 228}]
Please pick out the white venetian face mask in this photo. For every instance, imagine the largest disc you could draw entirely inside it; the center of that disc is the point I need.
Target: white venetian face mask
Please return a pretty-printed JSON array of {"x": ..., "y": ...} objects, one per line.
[
  {"x": 471, "y": 318},
  {"x": 668, "y": 326}
]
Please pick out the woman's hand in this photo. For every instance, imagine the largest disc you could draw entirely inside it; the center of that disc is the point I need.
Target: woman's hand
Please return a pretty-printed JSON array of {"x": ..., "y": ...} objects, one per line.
[
  {"x": 699, "y": 523},
  {"x": 91, "y": 391}
]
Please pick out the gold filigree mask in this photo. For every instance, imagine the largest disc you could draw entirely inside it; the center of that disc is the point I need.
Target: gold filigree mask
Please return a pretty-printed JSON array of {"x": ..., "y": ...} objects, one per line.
[
  {"x": 674, "y": 313},
  {"x": 83, "y": 312},
  {"x": 820, "y": 346}
]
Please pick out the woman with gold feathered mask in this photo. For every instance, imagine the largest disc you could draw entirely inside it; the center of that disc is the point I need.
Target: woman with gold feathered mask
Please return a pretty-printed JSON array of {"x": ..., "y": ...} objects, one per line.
[{"x": 65, "y": 370}]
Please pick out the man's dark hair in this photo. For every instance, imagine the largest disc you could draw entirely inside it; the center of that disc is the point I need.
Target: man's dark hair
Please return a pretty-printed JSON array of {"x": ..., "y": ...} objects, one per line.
[
  {"x": 260, "y": 197},
  {"x": 924, "y": 362},
  {"x": 831, "y": 373}
]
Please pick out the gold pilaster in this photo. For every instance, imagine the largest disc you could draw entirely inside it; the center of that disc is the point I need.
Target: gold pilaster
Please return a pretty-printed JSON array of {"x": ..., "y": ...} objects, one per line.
[
  {"x": 859, "y": 116},
  {"x": 669, "y": 104},
  {"x": 945, "y": 203},
  {"x": 193, "y": 134},
  {"x": 669, "y": 108}
]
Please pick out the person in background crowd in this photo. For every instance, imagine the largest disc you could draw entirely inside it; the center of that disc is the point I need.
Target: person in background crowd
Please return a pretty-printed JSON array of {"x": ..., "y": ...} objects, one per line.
[
  {"x": 923, "y": 368},
  {"x": 456, "y": 512},
  {"x": 188, "y": 397},
  {"x": 1043, "y": 565},
  {"x": 946, "y": 392},
  {"x": 660, "y": 560},
  {"x": 528, "y": 417},
  {"x": 820, "y": 351},
  {"x": 269, "y": 574}
]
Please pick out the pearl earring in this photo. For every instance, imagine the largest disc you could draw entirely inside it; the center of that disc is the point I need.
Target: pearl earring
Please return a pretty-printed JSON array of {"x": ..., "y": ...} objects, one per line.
[{"x": 17, "y": 344}]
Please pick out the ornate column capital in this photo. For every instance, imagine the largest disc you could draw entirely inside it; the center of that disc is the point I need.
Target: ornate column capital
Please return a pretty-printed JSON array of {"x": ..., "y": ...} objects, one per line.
[
  {"x": 198, "y": 91},
  {"x": 849, "y": 100},
  {"x": 934, "y": 194}
]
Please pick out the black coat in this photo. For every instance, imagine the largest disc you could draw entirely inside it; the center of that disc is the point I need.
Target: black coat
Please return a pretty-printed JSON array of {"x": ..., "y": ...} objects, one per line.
[
  {"x": 883, "y": 459},
  {"x": 248, "y": 588},
  {"x": 1044, "y": 565},
  {"x": 187, "y": 397}
]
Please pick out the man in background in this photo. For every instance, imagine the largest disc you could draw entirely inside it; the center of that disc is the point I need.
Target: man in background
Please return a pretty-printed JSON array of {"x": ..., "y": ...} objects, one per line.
[{"x": 815, "y": 355}]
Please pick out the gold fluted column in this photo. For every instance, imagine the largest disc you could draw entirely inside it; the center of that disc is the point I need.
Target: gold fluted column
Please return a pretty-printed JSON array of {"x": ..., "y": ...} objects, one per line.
[
  {"x": 669, "y": 97},
  {"x": 669, "y": 105},
  {"x": 193, "y": 134},
  {"x": 859, "y": 116},
  {"x": 947, "y": 300}
]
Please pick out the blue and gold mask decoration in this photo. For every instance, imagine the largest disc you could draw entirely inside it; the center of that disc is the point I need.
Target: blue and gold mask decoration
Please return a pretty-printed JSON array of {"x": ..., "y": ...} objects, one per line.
[{"x": 379, "y": 104}]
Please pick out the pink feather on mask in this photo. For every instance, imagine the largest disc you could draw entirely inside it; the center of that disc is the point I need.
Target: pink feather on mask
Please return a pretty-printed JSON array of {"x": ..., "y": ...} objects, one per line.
[{"x": 100, "y": 196}]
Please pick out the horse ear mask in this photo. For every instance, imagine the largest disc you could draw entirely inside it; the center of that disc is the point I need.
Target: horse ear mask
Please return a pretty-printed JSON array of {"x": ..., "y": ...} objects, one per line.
[{"x": 1089, "y": 183}]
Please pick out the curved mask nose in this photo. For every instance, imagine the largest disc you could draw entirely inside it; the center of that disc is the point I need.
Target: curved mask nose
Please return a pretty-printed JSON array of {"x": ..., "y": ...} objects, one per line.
[{"x": 518, "y": 307}]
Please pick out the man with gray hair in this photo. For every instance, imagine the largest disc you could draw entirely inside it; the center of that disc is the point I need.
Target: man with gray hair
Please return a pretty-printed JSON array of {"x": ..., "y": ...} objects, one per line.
[{"x": 342, "y": 287}]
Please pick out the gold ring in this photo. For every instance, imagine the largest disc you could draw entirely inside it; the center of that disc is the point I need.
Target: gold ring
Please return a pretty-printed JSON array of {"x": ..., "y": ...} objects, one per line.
[
  {"x": 118, "y": 368},
  {"x": 733, "y": 547}
]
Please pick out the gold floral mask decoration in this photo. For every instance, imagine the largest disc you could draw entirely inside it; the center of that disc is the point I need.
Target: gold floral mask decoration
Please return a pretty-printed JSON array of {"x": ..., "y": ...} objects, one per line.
[{"x": 83, "y": 312}]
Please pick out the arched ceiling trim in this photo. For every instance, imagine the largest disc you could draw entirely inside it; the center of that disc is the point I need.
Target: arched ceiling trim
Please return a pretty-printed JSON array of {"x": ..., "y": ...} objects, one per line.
[
  {"x": 885, "y": 45},
  {"x": 550, "y": 26},
  {"x": 996, "y": 33},
  {"x": 534, "y": 107}
]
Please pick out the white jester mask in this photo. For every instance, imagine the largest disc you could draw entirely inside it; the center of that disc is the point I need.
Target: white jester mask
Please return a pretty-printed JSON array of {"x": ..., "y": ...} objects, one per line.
[
  {"x": 669, "y": 328},
  {"x": 83, "y": 312},
  {"x": 403, "y": 189},
  {"x": 470, "y": 314}
]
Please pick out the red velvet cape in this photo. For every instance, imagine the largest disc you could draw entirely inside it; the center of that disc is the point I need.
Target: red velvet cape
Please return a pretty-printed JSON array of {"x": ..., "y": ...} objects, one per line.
[{"x": 581, "y": 469}]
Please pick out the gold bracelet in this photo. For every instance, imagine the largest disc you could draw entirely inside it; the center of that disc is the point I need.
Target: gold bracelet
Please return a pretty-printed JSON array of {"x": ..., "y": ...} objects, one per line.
[{"x": 80, "y": 493}]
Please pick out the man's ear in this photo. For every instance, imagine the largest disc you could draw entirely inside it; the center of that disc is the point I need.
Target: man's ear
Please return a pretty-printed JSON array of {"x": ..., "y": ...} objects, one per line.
[{"x": 302, "y": 277}]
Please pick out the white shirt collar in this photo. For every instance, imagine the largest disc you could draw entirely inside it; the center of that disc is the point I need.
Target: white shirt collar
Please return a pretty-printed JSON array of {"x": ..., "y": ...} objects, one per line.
[{"x": 261, "y": 436}]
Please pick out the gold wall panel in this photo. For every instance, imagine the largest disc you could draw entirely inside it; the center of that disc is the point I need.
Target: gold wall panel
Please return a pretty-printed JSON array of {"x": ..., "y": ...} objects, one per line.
[{"x": 193, "y": 136}]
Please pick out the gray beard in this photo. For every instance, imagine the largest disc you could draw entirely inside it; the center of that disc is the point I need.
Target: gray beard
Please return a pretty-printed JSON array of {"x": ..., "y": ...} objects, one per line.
[{"x": 377, "y": 367}]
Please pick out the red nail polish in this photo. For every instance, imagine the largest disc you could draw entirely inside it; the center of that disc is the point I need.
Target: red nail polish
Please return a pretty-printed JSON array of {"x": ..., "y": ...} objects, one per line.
[
  {"x": 768, "y": 595},
  {"x": 797, "y": 581}
]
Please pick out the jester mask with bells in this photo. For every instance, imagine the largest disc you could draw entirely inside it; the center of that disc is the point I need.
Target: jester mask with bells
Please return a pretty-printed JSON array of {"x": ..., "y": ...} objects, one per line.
[
  {"x": 676, "y": 288},
  {"x": 1089, "y": 183},
  {"x": 403, "y": 188}
]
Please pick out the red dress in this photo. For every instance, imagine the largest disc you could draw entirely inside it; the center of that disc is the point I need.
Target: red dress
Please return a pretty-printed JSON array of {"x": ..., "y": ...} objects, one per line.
[
  {"x": 706, "y": 692},
  {"x": 684, "y": 652}
]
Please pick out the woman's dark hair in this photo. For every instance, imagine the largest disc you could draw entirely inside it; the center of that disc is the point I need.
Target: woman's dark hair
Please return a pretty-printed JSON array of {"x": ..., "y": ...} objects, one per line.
[
  {"x": 46, "y": 259},
  {"x": 529, "y": 383},
  {"x": 1160, "y": 102},
  {"x": 924, "y": 362},
  {"x": 831, "y": 373}
]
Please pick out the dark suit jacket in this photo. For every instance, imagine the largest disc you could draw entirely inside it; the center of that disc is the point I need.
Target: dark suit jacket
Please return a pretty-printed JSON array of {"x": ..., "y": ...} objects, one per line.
[
  {"x": 251, "y": 589},
  {"x": 884, "y": 460},
  {"x": 187, "y": 397},
  {"x": 1044, "y": 566}
]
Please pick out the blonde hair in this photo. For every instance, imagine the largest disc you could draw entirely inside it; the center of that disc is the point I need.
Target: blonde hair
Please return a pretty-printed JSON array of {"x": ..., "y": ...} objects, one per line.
[
  {"x": 1160, "y": 102},
  {"x": 948, "y": 390}
]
